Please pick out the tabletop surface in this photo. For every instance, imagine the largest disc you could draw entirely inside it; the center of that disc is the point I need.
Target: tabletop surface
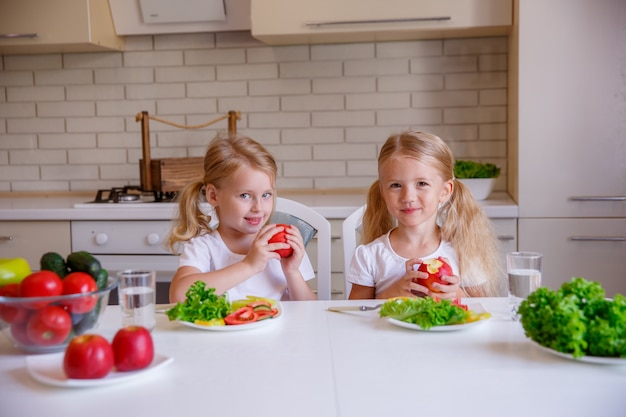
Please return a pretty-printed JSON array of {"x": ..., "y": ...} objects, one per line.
[{"x": 313, "y": 362}]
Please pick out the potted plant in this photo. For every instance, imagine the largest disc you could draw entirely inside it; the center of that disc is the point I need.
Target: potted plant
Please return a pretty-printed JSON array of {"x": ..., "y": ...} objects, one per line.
[{"x": 478, "y": 177}]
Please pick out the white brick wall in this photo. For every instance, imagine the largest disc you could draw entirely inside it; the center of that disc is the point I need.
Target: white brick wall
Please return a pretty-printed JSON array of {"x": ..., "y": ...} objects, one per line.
[{"x": 67, "y": 120}]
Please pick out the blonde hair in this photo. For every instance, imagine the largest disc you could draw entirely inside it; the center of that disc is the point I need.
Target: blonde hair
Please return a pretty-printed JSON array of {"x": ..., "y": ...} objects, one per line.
[
  {"x": 224, "y": 156},
  {"x": 463, "y": 222}
]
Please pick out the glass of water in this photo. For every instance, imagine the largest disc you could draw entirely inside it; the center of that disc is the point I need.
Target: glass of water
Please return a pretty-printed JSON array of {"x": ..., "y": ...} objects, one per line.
[
  {"x": 524, "y": 271},
  {"x": 137, "y": 294}
]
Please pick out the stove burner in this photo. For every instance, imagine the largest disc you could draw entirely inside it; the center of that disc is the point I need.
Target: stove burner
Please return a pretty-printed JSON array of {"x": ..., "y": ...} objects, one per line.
[{"x": 131, "y": 194}]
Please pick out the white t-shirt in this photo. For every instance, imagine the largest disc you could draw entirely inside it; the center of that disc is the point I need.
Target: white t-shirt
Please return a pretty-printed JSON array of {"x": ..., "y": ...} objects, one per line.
[
  {"x": 376, "y": 264},
  {"x": 208, "y": 252}
]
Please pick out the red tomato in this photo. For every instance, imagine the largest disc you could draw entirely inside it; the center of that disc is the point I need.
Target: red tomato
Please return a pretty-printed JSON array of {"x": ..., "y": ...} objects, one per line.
[
  {"x": 78, "y": 283},
  {"x": 18, "y": 331},
  {"x": 41, "y": 284},
  {"x": 89, "y": 356},
  {"x": 10, "y": 313},
  {"x": 265, "y": 314},
  {"x": 281, "y": 237},
  {"x": 133, "y": 348},
  {"x": 435, "y": 268},
  {"x": 242, "y": 316},
  {"x": 49, "y": 326}
]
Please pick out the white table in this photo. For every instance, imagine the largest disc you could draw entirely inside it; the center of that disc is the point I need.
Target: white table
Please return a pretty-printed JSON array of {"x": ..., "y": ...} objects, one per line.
[{"x": 312, "y": 362}]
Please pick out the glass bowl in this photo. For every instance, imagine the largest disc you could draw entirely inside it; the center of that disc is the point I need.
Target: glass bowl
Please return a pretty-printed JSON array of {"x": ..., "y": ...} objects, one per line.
[{"x": 47, "y": 324}]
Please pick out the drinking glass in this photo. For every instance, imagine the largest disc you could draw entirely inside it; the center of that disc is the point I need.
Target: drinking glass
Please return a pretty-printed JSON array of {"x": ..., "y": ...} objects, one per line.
[
  {"x": 524, "y": 271},
  {"x": 137, "y": 294}
]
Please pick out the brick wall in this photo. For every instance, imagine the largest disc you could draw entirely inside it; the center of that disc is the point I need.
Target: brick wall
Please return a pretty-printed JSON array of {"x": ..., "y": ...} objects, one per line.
[{"x": 67, "y": 120}]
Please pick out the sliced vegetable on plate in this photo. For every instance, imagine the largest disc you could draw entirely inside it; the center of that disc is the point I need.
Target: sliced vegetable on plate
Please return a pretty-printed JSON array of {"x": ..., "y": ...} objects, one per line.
[{"x": 204, "y": 309}]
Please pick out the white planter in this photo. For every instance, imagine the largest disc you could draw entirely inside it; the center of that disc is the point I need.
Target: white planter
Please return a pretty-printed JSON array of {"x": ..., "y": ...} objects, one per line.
[{"x": 480, "y": 187}]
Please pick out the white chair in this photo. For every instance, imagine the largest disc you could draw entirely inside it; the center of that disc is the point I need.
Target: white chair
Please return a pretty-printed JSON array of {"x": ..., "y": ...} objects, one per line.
[
  {"x": 313, "y": 227},
  {"x": 350, "y": 236}
]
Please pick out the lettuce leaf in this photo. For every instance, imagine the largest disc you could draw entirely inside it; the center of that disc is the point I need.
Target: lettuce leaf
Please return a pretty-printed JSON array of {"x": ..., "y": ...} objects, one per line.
[
  {"x": 577, "y": 319},
  {"x": 426, "y": 312},
  {"x": 201, "y": 303}
]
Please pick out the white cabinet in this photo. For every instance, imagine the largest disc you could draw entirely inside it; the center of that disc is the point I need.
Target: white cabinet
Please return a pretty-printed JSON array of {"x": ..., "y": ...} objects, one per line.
[
  {"x": 568, "y": 127},
  {"x": 129, "y": 19},
  {"x": 591, "y": 248},
  {"x": 44, "y": 26},
  {"x": 332, "y": 21},
  {"x": 31, "y": 239}
]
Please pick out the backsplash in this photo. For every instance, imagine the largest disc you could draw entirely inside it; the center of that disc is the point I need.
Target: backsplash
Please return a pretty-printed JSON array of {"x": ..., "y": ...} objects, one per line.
[{"x": 67, "y": 121}]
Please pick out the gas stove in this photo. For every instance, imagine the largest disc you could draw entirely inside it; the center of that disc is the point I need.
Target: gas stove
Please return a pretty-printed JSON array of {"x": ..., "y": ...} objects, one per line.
[{"x": 128, "y": 195}]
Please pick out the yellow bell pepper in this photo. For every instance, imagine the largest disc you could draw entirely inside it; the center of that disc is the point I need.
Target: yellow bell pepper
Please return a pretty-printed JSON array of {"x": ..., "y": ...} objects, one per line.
[{"x": 13, "y": 270}]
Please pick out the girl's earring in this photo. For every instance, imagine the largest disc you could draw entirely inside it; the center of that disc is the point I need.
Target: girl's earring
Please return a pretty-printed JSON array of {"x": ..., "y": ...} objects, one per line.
[{"x": 441, "y": 215}]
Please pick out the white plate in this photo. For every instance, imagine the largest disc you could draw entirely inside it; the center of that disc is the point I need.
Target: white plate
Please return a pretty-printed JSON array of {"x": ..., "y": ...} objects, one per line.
[
  {"x": 598, "y": 360},
  {"x": 238, "y": 327},
  {"x": 447, "y": 328},
  {"x": 477, "y": 308},
  {"x": 48, "y": 369}
]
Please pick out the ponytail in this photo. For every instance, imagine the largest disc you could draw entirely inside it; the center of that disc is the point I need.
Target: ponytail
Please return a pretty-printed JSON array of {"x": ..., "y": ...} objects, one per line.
[
  {"x": 466, "y": 226},
  {"x": 191, "y": 221},
  {"x": 376, "y": 219}
]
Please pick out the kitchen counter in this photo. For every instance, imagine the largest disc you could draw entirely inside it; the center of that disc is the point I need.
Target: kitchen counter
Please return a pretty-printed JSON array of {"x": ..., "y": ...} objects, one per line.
[
  {"x": 330, "y": 205},
  {"x": 312, "y": 362}
]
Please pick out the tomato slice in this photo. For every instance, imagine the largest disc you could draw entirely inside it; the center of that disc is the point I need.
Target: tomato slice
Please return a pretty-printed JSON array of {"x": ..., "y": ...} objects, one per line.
[
  {"x": 266, "y": 314},
  {"x": 242, "y": 316}
]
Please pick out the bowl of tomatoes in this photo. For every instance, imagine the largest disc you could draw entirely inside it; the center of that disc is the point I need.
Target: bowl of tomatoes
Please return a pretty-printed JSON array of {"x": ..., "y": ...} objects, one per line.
[{"x": 43, "y": 312}]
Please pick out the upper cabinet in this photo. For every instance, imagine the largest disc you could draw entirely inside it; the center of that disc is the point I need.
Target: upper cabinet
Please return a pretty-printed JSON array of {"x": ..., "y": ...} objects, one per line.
[
  {"x": 45, "y": 26},
  {"x": 151, "y": 17},
  {"x": 277, "y": 22}
]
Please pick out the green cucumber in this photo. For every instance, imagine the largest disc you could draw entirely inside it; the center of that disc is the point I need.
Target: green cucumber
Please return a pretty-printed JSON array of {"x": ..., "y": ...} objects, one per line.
[
  {"x": 52, "y": 261},
  {"x": 83, "y": 261}
]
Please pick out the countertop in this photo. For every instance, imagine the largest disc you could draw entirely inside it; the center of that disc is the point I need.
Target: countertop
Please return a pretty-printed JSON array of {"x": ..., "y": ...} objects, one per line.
[
  {"x": 312, "y": 362},
  {"x": 331, "y": 205}
]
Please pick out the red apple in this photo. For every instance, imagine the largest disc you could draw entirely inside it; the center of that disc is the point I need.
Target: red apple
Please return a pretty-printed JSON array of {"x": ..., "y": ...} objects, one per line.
[
  {"x": 435, "y": 268},
  {"x": 281, "y": 237},
  {"x": 133, "y": 348},
  {"x": 89, "y": 356}
]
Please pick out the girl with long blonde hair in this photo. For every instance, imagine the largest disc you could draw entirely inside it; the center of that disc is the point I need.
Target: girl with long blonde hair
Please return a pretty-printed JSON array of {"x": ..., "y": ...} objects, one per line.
[
  {"x": 417, "y": 210},
  {"x": 225, "y": 243}
]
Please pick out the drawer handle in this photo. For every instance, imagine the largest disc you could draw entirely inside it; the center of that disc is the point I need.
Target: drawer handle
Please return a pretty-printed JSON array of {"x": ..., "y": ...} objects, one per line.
[
  {"x": 506, "y": 237},
  {"x": 153, "y": 239},
  {"x": 318, "y": 23},
  {"x": 18, "y": 35},
  {"x": 600, "y": 198},
  {"x": 6, "y": 237},
  {"x": 102, "y": 239},
  {"x": 598, "y": 238}
]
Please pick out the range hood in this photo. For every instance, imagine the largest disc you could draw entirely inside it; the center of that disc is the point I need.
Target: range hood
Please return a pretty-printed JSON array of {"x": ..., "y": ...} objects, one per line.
[{"x": 151, "y": 17}]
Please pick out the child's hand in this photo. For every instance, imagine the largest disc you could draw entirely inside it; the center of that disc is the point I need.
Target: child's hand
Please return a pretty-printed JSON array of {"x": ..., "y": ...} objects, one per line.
[
  {"x": 261, "y": 250},
  {"x": 294, "y": 239},
  {"x": 448, "y": 291}
]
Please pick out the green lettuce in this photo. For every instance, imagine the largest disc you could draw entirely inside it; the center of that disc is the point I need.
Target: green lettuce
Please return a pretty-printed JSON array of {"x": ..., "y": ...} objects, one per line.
[
  {"x": 201, "y": 303},
  {"x": 576, "y": 319},
  {"x": 426, "y": 312}
]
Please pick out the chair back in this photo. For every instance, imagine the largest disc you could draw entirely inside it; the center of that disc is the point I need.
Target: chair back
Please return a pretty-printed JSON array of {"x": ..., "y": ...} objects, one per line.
[
  {"x": 351, "y": 236},
  {"x": 314, "y": 228}
]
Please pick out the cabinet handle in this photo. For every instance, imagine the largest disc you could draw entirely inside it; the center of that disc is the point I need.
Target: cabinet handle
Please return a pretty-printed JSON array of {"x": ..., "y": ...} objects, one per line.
[
  {"x": 598, "y": 238},
  {"x": 10, "y": 237},
  {"x": 604, "y": 198},
  {"x": 506, "y": 237},
  {"x": 18, "y": 35},
  {"x": 318, "y": 23}
]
